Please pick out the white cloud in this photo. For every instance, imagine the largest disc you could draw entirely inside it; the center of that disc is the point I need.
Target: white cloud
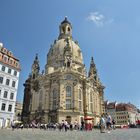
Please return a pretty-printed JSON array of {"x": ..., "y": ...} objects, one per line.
[{"x": 99, "y": 19}]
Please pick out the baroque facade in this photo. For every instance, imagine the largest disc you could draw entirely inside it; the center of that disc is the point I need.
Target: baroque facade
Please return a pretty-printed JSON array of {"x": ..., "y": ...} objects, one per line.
[
  {"x": 9, "y": 78},
  {"x": 63, "y": 91}
]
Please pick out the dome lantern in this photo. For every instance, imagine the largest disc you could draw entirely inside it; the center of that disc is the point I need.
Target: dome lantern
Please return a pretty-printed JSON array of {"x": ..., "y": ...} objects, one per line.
[{"x": 65, "y": 29}]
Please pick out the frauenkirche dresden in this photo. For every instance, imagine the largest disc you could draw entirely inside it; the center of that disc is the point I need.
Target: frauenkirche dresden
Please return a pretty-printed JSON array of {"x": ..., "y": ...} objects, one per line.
[{"x": 64, "y": 91}]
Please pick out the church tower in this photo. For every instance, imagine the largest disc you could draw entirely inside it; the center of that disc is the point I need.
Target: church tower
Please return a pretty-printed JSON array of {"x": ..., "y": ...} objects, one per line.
[
  {"x": 35, "y": 68},
  {"x": 92, "y": 71}
]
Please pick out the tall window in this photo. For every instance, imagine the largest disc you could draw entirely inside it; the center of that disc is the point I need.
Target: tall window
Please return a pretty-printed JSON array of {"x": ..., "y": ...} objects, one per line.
[
  {"x": 3, "y": 106},
  {"x": 94, "y": 102},
  {"x": 80, "y": 100},
  {"x": 54, "y": 99},
  {"x": 15, "y": 73},
  {"x": 1, "y": 80},
  {"x": 13, "y": 84},
  {"x": 40, "y": 100},
  {"x": 5, "y": 58},
  {"x": 68, "y": 91},
  {"x": 68, "y": 103},
  {"x": 11, "y": 61},
  {"x": 68, "y": 97},
  {"x": 16, "y": 64},
  {"x": 90, "y": 102},
  {"x": 7, "y": 82},
  {"x": 9, "y": 71},
  {"x": 10, "y": 108},
  {"x": 12, "y": 96},
  {"x": 5, "y": 94},
  {"x": 3, "y": 68}
]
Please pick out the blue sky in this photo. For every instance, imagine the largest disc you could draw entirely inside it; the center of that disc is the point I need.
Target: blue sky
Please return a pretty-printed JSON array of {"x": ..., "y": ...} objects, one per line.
[{"x": 108, "y": 30}]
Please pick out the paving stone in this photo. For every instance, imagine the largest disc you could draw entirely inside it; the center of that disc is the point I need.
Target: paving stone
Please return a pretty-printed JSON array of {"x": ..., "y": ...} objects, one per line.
[{"x": 36, "y": 134}]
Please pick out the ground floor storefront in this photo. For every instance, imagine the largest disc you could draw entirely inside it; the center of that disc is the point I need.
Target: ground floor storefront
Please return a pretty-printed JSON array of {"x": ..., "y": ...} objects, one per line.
[{"x": 5, "y": 120}]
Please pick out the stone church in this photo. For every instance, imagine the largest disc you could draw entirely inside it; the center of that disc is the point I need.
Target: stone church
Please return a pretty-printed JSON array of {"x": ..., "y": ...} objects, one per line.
[{"x": 63, "y": 91}]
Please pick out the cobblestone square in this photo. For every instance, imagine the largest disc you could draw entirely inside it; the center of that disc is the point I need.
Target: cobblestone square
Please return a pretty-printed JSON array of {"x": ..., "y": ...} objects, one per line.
[{"x": 36, "y": 134}]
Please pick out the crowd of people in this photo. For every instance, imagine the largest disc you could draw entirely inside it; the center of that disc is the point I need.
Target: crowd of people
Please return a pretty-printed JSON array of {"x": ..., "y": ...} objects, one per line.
[
  {"x": 106, "y": 124},
  {"x": 63, "y": 126}
]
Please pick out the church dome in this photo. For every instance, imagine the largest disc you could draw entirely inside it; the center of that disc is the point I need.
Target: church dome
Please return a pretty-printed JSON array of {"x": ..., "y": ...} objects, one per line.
[
  {"x": 65, "y": 46},
  {"x": 55, "y": 56}
]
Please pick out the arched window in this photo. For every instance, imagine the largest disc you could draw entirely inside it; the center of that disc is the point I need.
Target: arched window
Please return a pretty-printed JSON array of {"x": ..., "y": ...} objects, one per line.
[
  {"x": 68, "y": 91},
  {"x": 80, "y": 100},
  {"x": 91, "y": 97},
  {"x": 54, "y": 106},
  {"x": 68, "y": 97},
  {"x": 68, "y": 104},
  {"x": 68, "y": 29},
  {"x": 40, "y": 100},
  {"x": 54, "y": 94},
  {"x": 40, "y": 96},
  {"x": 68, "y": 64},
  {"x": 91, "y": 102},
  {"x": 80, "y": 94},
  {"x": 63, "y": 29}
]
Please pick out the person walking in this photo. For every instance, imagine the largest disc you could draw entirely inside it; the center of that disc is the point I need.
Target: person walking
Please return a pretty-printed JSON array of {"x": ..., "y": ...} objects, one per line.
[
  {"x": 66, "y": 125},
  {"x": 82, "y": 125},
  {"x": 102, "y": 124},
  {"x": 13, "y": 125},
  {"x": 108, "y": 122},
  {"x": 113, "y": 124}
]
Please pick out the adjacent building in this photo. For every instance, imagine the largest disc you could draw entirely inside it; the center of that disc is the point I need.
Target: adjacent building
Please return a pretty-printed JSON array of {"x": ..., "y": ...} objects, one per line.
[
  {"x": 9, "y": 77},
  {"x": 122, "y": 113},
  {"x": 126, "y": 113},
  {"x": 63, "y": 91},
  {"x": 110, "y": 107},
  {"x": 18, "y": 111}
]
